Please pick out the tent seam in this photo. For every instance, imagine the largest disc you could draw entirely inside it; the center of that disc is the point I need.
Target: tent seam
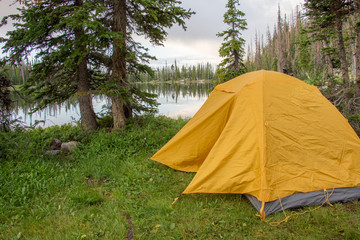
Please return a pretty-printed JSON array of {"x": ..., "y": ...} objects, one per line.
[{"x": 262, "y": 178}]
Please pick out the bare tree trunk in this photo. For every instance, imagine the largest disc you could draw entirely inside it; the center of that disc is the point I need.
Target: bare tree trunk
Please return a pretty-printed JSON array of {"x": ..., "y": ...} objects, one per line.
[
  {"x": 22, "y": 73},
  {"x": 119, "y": 61},
  {"x": 342, "y": 53},
  {"x": 270, "y": 49},
  {"x": 279, "y": 45},
  {"x": 257, "y": 51},
  {"x": 297, "y": 33},
  {"x": 328, "y": 62},
  {"x": 88, "y": 116},
  {"x": 13, "y": 80},
  {"x": 357, "y": 49}
]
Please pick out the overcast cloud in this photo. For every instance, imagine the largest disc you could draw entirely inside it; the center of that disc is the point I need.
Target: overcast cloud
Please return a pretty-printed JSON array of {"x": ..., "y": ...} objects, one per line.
[
  {"x": 199, "y": 42},
  {"x": 7, "y": 7}
]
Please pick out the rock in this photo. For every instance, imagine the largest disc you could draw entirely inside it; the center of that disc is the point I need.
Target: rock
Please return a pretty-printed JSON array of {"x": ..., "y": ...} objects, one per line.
[
  {"x": 69, "y": 146},
  {"x": 55, "y": 144},
  {"x": 52, "y": 152}
]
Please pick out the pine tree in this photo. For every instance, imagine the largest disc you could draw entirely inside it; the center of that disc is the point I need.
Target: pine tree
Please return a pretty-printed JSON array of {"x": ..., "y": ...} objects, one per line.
[
  {"x": 329, "y": 15},
  {"x": 5, "y": 102},
  {"x": 73, "y": 38},
  {"x": 304, "y": 60},
  {"x": 141, "y": 17},
  {"x": 55, "y": 32},
  {"x": 232, "y": 48}
]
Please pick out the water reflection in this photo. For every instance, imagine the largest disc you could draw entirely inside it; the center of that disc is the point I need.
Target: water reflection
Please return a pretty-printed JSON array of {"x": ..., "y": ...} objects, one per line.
[
  {"x": 54, "y": 114},
  {"x": 179, "y": 100},
  {"x": 176, "y": 100},
  {"x": 198, "y": 89}
]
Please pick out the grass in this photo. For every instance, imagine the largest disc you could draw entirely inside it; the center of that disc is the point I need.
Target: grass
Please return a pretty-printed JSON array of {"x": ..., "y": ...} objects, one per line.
[{"x": 109, "y": 189}]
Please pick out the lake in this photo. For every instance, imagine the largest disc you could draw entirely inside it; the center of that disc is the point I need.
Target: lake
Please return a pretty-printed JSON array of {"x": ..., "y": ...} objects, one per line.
[{"x": 176, "y": 100}]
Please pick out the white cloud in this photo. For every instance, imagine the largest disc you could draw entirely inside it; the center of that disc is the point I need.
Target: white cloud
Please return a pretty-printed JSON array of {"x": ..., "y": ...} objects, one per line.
[
  {"x": 200, "y": 43},
  {"x": 200, "y": 38},
  {"x": 7, "y": 7}
]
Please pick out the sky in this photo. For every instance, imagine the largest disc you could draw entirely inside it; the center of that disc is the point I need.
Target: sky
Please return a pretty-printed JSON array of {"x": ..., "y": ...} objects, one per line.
[{"x": 199, "y": 42}]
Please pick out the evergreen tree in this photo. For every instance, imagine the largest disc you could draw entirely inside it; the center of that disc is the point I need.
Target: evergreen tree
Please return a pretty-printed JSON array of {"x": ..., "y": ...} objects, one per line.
[
  {"x": 142, "y": 17},
  {"x": 73, "y": 38},
  {"x": 329, "y": 15},
  {"x": 304, "y": 59},
  {"x": 55, "y": 32},
  {"x": 5, "y": 102},
  {"x": 232, "y": 49}
]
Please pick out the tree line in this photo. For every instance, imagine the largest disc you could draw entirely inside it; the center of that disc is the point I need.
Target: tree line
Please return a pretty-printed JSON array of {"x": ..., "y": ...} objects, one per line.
[
  {"x": 173, "y": 73},
  {"x": 200, "y": 71},
  {"x": 19, "y": 74}
]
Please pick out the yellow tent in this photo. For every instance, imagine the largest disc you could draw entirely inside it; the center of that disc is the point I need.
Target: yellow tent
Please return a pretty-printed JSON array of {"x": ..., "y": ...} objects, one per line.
[{"x": 270, "y": 136}]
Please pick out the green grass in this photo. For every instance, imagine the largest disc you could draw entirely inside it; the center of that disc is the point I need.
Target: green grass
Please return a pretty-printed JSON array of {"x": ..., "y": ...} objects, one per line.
[{"x": 109, "y": 186}]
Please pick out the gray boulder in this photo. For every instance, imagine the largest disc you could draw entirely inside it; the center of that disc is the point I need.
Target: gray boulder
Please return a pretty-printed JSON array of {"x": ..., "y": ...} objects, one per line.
[
  {"x": 69, "y": 146},
  {"x": 52, "y": 152},
  {"x": 55, "y": 144}
]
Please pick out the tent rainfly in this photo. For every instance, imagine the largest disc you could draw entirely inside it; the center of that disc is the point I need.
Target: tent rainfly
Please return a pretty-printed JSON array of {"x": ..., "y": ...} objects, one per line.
[{"x": 271, "y": 137}]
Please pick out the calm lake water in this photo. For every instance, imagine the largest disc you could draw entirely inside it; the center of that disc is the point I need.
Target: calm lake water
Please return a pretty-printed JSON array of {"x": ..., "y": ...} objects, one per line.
[{"x": 176, "y": 100}]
